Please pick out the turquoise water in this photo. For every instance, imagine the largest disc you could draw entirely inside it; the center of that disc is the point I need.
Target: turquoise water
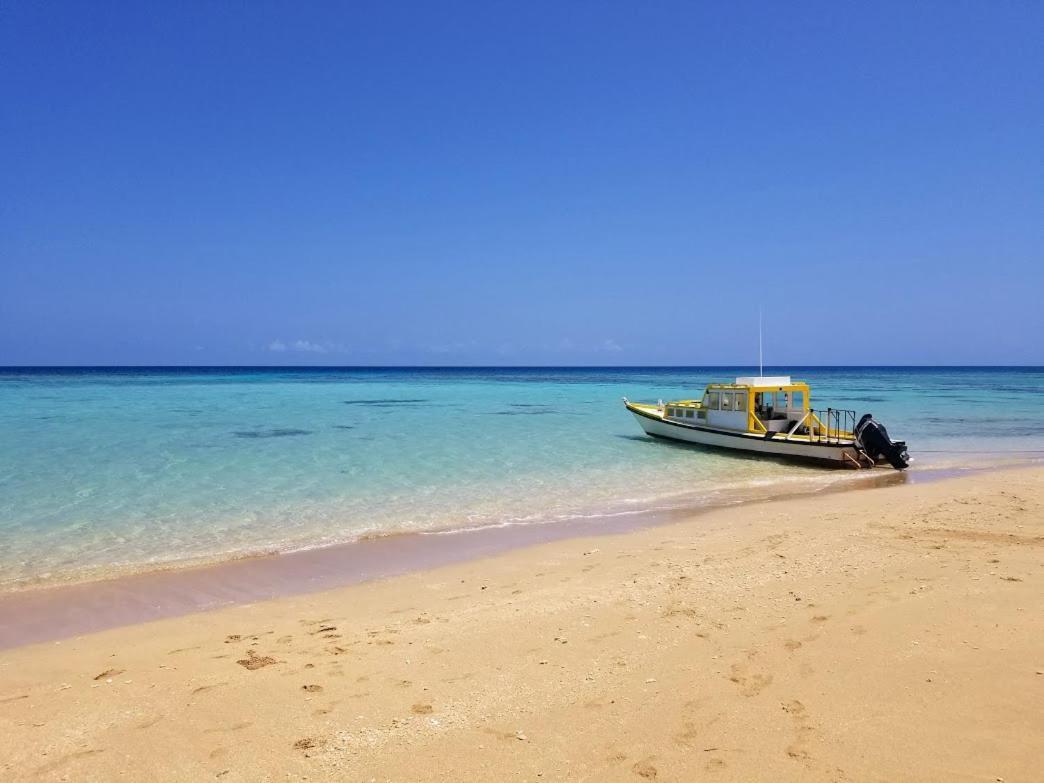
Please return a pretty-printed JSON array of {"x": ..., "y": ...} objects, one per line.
[{"x": 105, "y": 471}]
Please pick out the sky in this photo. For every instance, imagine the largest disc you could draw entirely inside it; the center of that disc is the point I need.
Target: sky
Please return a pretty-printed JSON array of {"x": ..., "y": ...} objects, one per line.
[{"x": 524, "y": 183}]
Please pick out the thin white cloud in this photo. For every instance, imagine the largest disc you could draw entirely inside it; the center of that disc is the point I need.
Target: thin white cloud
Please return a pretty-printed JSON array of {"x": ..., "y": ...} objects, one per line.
[
  {"x": 306, "y": 346},
  {"x": 609, "y": 344},
  {"x": 299, "y": 346}
]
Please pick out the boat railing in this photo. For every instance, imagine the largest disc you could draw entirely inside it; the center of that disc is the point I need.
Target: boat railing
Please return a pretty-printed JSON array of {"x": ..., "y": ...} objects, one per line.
[
  {"x": 832, "y": 425},
  {"x": 754, "y": 424}
]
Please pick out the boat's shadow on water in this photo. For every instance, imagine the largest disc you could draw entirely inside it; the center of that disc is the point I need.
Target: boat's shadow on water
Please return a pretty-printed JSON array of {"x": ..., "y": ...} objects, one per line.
[
  {"x": 679, "y": 445},
  {"x": 732, "y": 454}
]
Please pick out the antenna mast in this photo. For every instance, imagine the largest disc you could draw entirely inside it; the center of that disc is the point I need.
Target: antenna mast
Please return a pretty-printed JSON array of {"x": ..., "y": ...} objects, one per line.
[{"x": 761, "y": 368}]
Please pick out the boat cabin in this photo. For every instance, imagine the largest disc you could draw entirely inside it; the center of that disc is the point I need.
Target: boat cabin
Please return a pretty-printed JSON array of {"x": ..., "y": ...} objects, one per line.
[{"x": 751, "y": 404}]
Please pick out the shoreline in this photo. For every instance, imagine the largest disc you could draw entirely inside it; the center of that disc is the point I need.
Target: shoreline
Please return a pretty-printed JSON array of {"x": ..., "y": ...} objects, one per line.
[
  {"x": 48, "y": 612},
  {"x": 809, "y": 638},
  {"x": 816, "y": 480}
]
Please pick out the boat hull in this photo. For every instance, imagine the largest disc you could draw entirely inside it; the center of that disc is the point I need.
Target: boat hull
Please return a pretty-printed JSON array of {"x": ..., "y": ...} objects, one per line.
[{"x": 838, "y": 455}]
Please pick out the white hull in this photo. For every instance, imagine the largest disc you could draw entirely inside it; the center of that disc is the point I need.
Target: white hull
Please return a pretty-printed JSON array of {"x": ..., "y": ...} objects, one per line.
[{"x": 841, "y": 455}]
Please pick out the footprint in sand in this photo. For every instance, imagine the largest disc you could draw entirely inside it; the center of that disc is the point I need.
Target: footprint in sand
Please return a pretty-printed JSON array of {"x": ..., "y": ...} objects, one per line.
[
  {"x": 421, "y": 709},
  {"x": 517, "y": 735},
  {"x": 796, "y": 749},
  {"x": 687, "y": 737},
  {"x": 312, "y": 688},
  {"x": 108, "y": 673},
  {"x": 644, "y": 769},
  {"x": 254, "y": 661},
  {"x": 751, "y": 684},
  {"x": 681, "y": 611}
]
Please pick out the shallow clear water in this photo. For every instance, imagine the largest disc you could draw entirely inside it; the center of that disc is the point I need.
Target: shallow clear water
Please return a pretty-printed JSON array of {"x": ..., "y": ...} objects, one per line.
[{"x": 109, "y": 470}]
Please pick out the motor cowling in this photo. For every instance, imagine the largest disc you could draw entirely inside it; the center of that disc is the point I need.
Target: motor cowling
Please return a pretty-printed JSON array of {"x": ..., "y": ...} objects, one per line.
[{"x": 873, "y": 438}]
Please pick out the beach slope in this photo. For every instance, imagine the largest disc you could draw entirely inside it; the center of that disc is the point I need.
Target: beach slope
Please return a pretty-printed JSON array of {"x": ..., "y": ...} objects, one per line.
[{"x": 883, "y": 634}]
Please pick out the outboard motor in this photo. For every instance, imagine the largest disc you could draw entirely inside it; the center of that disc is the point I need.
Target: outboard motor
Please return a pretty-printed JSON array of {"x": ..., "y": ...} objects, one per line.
[{"x": 873, "y": 438}]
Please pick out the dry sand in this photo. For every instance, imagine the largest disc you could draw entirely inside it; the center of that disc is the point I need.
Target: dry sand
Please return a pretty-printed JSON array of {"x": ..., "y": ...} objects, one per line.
[{"x": 886, "y": 634}]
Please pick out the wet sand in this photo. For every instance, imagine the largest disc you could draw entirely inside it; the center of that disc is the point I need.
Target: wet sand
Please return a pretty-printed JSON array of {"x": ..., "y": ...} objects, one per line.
[{"x": 888, "y": 634}]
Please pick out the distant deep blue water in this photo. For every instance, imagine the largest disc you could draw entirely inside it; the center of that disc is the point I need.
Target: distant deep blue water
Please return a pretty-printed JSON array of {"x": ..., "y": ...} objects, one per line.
[{"x": 108, "y": 470}]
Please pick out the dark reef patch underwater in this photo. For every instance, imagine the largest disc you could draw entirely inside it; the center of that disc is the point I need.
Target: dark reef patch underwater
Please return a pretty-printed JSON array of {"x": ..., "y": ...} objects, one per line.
[{"x": 383, "y": 403}]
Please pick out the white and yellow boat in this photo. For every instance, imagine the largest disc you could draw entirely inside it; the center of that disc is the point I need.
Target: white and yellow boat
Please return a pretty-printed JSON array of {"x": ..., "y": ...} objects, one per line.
[{"x": 772, "y": 416}]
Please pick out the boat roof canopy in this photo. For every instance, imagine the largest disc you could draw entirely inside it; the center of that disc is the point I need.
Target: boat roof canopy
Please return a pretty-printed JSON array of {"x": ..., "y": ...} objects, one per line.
[
  {"x": 764, "y": 380},
  {"x": 762, "y": 383}
]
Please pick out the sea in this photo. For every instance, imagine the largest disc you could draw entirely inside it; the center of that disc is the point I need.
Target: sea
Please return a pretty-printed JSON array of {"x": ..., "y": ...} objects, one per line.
[{"x": 107, "y": 471}]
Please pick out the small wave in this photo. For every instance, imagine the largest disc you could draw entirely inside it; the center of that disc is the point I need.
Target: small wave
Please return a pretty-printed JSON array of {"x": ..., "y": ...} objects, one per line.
[
  {"x": 274, "y": 433},
  {"x": 520, "y": 413}
]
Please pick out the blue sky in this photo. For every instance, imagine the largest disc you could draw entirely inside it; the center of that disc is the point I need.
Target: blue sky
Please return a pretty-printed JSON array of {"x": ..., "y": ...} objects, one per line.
[{"x": 521, "y": 183}]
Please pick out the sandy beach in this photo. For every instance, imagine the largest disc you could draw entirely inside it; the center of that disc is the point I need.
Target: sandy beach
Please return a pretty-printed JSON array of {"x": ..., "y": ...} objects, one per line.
[{"x": 882, "y": 634}]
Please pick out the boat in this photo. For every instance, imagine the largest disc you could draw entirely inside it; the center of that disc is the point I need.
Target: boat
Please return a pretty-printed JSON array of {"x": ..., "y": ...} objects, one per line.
[{"x": 773, "y": 416}]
